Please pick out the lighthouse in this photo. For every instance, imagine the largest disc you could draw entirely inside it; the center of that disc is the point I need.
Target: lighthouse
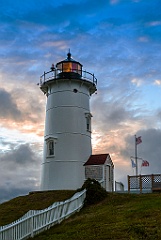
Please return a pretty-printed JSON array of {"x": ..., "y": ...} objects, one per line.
[{"x": 67, "y": 136}]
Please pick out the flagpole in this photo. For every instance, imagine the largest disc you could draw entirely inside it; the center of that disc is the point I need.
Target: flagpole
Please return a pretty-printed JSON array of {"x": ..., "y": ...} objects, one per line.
[{"x": 136, "y": 159}]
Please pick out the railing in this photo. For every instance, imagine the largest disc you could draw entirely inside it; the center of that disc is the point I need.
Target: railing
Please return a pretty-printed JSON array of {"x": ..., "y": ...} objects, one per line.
[
  {"x": 143, "y": 183},
  {"x": 119, "y": 187},
  {"x": 55, "y": 74},
  {"x": 36, "y": 221}
]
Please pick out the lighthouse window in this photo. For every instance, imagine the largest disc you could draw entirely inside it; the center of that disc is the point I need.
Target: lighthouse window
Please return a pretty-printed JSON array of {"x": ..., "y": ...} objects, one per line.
[
  {"x": 88, "y": 121},
  {"x": 51, "y": 148}
]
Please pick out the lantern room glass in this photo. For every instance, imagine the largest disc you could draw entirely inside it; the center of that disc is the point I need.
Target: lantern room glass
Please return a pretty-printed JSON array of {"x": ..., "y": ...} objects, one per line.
[{"x": 70, "y": 67}]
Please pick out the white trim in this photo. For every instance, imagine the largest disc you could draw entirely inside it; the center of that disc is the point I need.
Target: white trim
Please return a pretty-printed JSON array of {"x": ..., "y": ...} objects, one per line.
[
  {"x": 88, "y": 114},
  {"x": 50, "y": 137}
]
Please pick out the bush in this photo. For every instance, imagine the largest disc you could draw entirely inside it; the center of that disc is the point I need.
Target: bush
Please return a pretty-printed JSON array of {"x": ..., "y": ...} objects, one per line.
[{"x": 95, "y": 193}]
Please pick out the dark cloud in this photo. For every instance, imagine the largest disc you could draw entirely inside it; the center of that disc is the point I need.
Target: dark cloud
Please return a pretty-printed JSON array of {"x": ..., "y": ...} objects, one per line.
[
  {"x": 21, "y": 105},
  {"x": 19, "y": 172},
  {"x": 148, "y": 150},
  {"x": 6, "y": 143},
  {"x": 114, "y": 109},
  {"x": 159, "y": 114},
  {"x": 76, "y": 23},
  {"x": 8, "y": 108},
  {"x": 31, "y": 102},
  {"x": 13, "y": 191},
  {"x": 22, "y": 155},
  {"x": 53, "y": 14}
]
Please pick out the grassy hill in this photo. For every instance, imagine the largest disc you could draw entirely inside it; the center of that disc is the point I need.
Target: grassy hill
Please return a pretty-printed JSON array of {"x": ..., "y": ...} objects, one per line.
[
  {"x": 17, "y": 207},
  {"x": 119, "y": 216}
]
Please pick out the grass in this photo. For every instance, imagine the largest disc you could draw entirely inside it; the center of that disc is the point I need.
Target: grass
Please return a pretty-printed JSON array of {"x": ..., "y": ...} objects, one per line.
[
  {"x": 119, "y": 216},
  {"x": 17, "y": 207}
]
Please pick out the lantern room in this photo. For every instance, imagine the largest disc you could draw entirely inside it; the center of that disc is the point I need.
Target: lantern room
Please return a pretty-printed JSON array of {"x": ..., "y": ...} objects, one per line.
[{"x": 69, "y": 67}]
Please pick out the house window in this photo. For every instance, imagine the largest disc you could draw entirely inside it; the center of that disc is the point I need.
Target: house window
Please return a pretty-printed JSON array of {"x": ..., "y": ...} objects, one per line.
[{"x": 51, "y": 148}]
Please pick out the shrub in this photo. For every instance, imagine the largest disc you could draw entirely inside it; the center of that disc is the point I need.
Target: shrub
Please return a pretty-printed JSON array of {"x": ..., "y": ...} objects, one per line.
[{"x": 95, "y": 193}]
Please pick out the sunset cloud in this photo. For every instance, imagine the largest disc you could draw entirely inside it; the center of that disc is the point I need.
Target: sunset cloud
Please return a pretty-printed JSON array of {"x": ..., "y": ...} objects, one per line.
[{"x": 118, "y": 41}]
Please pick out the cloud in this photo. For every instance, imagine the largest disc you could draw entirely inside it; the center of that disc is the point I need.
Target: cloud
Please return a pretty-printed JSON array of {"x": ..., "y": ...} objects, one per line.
[
  {"x": 118, "y": 41},
  {"x": 19, "y": 156},
  {"x": 149, "y": 149},
  {"x": 21, "y": 110},
  {"x": 8, "y": 108},
  {"x": 117, "y": 117},
  {"x": 154, "y": 23},
  {"x": 157, "y": 82},
  {"x": 114, "y": 1},
  {"x": 55, "y": 32},
  {"x": 20, "y": 171},
  {"x": 11, "y": 192},
  {"x": 137, "y": 82},
  {"x": 143, "y": 39},
  {"x": 116, "y": 108}
]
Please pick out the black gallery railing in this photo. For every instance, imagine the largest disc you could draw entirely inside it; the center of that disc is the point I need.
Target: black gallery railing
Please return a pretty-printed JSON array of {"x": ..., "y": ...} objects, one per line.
[{"x": 74, "y": 73}]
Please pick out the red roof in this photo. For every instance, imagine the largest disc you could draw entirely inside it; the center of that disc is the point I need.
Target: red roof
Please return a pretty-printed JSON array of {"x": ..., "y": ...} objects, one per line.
[{"x": 98, "y": 159}]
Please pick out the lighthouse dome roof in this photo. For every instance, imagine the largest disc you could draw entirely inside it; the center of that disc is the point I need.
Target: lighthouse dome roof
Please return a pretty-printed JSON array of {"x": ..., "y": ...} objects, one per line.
[{"x": 68, "y": 59}]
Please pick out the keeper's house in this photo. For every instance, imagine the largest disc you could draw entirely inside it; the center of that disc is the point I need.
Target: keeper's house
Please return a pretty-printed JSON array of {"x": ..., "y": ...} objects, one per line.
[{"x": 101, "y": 168}]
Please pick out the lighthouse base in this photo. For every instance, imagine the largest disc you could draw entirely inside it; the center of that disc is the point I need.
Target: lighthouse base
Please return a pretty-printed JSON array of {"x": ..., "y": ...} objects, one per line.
[{"x": 56, "y": 175}]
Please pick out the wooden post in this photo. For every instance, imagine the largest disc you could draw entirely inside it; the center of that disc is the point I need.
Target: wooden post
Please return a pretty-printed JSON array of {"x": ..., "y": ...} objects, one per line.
[
  {"x": 152, "y": 182},
  {"x": 141, "y": 184},
  {"x": 128, "y": 180}
]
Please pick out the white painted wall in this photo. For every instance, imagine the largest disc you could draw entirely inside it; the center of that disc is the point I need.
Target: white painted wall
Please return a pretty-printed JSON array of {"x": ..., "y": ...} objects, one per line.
[{"x": 66, "y": 123}]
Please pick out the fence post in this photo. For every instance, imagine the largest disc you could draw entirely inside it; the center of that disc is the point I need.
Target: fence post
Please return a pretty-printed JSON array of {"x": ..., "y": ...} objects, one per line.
[
  {"x": 141, "y": 184},
  {"x": 128, "y": 177},
  {"x": 152, "y": 182},
  {"x": 31, "y": 225}
]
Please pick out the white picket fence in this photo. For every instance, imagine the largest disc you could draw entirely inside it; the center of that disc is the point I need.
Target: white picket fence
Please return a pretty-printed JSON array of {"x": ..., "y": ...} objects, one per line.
[{"x": 36, "y": 221}]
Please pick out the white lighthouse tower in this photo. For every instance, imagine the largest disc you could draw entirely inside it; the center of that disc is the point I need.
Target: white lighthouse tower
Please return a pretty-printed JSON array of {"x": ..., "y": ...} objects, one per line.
[{"x": 67, "y": 138}]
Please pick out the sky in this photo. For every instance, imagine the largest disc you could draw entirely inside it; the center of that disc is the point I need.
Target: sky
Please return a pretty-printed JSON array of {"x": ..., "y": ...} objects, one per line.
[{"x": 117, "y": 40}]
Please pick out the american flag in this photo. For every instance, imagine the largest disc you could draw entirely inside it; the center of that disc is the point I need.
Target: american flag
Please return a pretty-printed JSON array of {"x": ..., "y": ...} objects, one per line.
[
  {"x": 138, "y": 140},
  {"x": 145, "y": 163}
]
